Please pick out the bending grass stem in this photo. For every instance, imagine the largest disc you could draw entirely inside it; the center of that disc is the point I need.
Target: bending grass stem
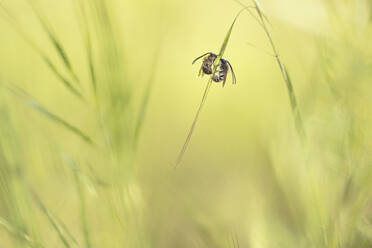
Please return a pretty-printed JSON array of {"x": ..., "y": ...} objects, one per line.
[
  {"x": 206, "y": 91},
  {"x": 292, "y": 97}
]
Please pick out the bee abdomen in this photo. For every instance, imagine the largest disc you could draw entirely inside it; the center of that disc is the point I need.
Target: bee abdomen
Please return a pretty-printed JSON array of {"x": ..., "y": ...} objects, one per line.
[
  {"x": 207, "y": 69},
  {"x": 218, "y": 78}
]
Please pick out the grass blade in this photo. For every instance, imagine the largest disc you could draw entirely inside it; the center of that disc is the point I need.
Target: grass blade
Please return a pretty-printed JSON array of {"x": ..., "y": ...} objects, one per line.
[
  {"x": 84, "y": 28},
  {"x": 227, "y": 37},
  {"x": 19, "y": 234},
  {"x": 53, "y": 38},
  {"x": 146, "y": 98},
  {"x": 12, "y": 21},
  {"x": 207, "y": 88},
  {"x": 83, "y": 214},
  {"x": 51, "y": 219},
  {"x": 62, "y": 78},
  {"x": 66, "y": 231},
  {"x": 77, "y": 174},
  {"x": 249, "y": 9},
  {"x": 191, "y": 131},
  {"x": 292, "y": 97},
  {"x": 37, "y": 106},
  {"x": 296, "y": 112}
]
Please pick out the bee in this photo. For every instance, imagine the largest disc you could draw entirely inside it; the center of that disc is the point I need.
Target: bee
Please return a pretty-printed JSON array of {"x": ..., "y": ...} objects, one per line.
[{"x": 222, "y": 69}]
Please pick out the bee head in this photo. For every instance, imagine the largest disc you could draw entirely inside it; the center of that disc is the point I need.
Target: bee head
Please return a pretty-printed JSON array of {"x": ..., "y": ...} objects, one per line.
[{"x": 212, "y": 57}]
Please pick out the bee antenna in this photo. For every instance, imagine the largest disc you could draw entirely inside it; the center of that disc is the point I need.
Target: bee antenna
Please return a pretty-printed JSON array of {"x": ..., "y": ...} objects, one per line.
[
  {"x": 232, "y": 72},
  {"x": 200, "y": 57}
]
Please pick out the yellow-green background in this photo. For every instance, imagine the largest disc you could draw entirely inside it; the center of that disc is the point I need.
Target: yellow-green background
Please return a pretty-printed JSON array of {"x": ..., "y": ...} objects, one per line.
[{"x": 245, "y": 174}]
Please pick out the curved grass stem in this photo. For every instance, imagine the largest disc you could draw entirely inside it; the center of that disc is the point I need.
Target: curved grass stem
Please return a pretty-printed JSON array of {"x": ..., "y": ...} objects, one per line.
[
  {"x": 207, "y": 88},
  {"x": 262, "y": 19}
]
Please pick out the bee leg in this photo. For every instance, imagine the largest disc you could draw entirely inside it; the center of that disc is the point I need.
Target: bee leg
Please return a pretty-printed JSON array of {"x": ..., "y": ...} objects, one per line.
[
  {"x": 201, "y": 71},
  {"x": 224, "y": 81},
  {"x": 232, "y": 72}
]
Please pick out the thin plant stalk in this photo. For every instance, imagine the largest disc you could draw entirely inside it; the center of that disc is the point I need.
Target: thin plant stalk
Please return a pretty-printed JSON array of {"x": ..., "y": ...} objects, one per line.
[
  {"x": 83, "y": 209},
  {"x": 51, "y": 219},
  {"x": 9, "y": 17},
  {"x": 19, "y": 233},
  {"x": 47, "y": 27},
  {"x": 206, "y": 91},
  {"x": 146, "y": 97},
  {"x": 86, "y": 33},
  {"x": 31, "y": 102},
  {"x": 292, "y": 97}
]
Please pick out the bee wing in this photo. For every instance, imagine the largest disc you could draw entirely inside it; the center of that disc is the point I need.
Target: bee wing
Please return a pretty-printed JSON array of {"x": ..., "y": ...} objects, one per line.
[
  {"x": 224, "y": 79},
  {"x": 200, "y": 57},
  {"x": 224, "y": 82},
  {"x": 232, "y": 72}
]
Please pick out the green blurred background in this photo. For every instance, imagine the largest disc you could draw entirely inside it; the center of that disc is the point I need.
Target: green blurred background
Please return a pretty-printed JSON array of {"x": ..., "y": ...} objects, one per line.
[{"x": 97, "y": 170}]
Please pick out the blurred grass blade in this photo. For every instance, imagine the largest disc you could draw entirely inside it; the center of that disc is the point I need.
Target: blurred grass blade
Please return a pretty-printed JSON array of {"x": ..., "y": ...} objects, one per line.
[
  {"x": 84, "y": 28},
  {"x": 83, "y": 211},
  {"x": 146, "y": 97},
  {"x": 53, "y": 38},
  {"x": 37, "y": 106},
  {"x": 62, "y": 78},
  {"x": 296, "y": 112},
  {"x": 207, "y": 88},
  {"x": 18, "y": 233},
  {"x": 66, "y": 231},
  {"x": 83, "y": 206},
  {"x": 227, "y": 37},
  {"x": 51, "y": 219},
  {"x": 12, "y": 21}
]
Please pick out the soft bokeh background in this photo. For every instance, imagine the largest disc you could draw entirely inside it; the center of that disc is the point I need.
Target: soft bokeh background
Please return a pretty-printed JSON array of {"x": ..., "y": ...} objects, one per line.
[{"x": 245, "y": 176}]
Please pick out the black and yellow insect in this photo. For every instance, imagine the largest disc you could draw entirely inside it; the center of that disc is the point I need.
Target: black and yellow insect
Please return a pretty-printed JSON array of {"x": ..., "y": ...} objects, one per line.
[{"x": 222, "y": 69}]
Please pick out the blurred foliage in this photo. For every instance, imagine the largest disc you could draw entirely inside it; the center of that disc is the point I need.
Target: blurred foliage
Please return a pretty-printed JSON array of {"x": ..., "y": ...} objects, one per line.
[{"x": 96, "y": 97}]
